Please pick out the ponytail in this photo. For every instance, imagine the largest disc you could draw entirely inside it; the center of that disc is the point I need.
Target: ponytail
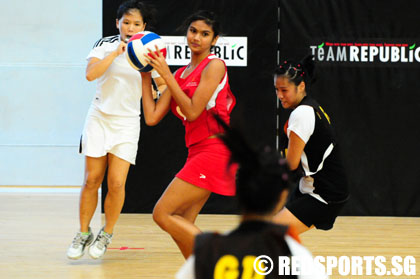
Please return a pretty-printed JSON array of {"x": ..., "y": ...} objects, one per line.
[{"x": 297, "y": 72}]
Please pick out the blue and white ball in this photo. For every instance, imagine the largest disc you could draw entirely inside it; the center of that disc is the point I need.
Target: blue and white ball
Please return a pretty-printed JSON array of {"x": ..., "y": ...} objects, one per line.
[{"x": 137, "y": 47}]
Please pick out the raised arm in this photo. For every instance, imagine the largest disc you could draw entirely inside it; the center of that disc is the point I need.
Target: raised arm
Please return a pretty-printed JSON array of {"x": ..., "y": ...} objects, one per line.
[
  {"x": 210, "y": 79},
  {"x": 211, "y": 76},
  {"x": 97, "y": 67},
  {"x": 153, "y": 110},
  {"x": 160, "y": 84}
]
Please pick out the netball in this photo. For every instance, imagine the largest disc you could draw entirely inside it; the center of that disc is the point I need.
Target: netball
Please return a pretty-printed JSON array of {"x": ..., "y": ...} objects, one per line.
[{"x": 138, "y": 46}]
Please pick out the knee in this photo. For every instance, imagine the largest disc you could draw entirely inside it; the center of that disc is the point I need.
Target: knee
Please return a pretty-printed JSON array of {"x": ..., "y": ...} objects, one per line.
[
  {"x": 92, "y": 182},
  {"x": 160, "y": 217},
  {"x": 116, "y": 186}
]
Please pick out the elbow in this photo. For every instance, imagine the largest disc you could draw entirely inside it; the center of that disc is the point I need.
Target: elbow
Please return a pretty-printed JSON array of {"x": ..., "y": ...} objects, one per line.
[
  {"x": 293, "y": 167},
  {"x": 150, "y": 121},
  {"x": 293, "y": 164},
  {"x": 191, "y": 116},
  {"x": 89, "y": 77}
]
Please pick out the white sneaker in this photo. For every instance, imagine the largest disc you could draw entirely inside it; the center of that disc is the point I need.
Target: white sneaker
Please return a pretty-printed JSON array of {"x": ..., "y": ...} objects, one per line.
[
  {"x": 98, "y": 248},
  {"x": 77, "y": 247}
]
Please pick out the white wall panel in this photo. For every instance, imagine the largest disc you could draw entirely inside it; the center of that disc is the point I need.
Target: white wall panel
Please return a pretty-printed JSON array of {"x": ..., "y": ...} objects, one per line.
[{"x": 44, "y": 96}]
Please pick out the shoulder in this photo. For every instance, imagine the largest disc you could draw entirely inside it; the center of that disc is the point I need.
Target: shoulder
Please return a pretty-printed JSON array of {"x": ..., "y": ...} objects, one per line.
[
  {"x": 292, "y": 232},
  {"x": 310, "y": 270},
  {"x": 215, "y": 66},
  {"x": 296, "y": 248},
  {"x": 187, "y": 270},
  {"x": 106, "y": 40},
  {"x": 308, "y": 100},
  {"x": 204, "y": 239},
  {"x": 302, "y": 122},
  {"x": 214, "y": 60},
  {"x": 302, "y": 112}
]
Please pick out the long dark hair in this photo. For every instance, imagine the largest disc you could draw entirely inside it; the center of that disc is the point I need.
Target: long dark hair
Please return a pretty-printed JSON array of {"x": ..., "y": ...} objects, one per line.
[
  {"x": 262, "y": 174},
  {"x": 208, "y": 17}
]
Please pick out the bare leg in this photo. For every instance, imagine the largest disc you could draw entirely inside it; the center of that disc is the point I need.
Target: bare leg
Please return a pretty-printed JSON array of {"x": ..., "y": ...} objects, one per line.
[
  {"x": 286, "y": 217},
  {"x": 94, "y": 174},
  {"x": 190, "y": 215},
  {"x": 176, "y": 211},
  {"x": 114, "y": 201}
]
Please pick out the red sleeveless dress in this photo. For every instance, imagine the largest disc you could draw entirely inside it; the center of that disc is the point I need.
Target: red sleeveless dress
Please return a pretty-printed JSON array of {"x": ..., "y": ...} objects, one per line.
[{"x": 207, "y": 163}]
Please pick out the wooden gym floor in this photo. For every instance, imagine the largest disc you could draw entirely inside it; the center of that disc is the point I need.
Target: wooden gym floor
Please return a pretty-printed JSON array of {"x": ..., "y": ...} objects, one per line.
[{"x": 37, "y": 227}]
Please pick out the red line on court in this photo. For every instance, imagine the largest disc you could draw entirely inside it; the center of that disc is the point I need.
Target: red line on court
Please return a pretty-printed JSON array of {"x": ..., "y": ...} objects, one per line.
[{"x": 126, "y": 248}]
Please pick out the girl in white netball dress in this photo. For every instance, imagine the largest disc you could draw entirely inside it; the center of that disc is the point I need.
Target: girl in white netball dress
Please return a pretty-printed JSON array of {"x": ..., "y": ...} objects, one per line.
[{"x": 112, "y": 128}]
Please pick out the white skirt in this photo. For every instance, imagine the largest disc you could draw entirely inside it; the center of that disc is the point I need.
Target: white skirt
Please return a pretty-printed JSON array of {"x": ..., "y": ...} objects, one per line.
[{"x": 104, "y": 133}]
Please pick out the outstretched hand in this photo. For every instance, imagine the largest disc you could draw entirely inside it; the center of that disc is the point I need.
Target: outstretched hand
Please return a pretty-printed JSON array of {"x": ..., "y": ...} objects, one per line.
[{"x": 158, "y": 62}]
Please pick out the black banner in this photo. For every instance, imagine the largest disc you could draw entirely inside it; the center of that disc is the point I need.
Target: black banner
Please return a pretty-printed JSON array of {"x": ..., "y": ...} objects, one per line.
[
  {"x": 162, "y": 151},
  {"x": 368, "y": 56}
]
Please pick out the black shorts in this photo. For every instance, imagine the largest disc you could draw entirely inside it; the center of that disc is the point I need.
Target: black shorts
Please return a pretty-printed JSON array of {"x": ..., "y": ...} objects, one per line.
[{"x": 311, "y": 211}]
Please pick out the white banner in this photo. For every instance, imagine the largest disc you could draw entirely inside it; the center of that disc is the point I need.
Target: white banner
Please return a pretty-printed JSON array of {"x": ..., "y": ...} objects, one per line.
[{"x": 233, "y": 50}]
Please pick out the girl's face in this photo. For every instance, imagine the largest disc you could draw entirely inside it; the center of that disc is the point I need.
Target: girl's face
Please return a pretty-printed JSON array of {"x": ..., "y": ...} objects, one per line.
[
  {"x": 288, "y": 93},
  {"x": 130, "y": 24},
  {"x": 200, "y": 37}
]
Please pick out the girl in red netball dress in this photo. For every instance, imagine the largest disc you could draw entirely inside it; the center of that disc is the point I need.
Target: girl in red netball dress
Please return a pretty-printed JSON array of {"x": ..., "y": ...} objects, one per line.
[{"x": 195, "y": 92}]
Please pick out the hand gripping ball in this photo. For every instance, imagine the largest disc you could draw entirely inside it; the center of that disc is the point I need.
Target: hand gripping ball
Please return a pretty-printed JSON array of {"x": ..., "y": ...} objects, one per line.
[{"x": 137, "y": 46}]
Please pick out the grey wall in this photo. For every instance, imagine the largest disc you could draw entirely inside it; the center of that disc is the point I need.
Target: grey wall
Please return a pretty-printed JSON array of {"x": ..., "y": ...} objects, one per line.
[{"x": 44, "y": 96}]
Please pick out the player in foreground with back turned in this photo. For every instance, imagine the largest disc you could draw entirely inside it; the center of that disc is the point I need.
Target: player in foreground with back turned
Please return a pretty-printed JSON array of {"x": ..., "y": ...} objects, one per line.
[{"x": 263, "y": 183}]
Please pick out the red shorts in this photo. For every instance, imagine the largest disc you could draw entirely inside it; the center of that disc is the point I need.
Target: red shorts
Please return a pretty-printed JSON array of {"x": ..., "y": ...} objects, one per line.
[{"x": 207, "y": 167}]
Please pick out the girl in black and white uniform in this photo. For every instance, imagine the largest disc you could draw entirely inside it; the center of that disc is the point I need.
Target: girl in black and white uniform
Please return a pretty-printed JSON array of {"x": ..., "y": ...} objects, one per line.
[{"x": 311, "y": 150}]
